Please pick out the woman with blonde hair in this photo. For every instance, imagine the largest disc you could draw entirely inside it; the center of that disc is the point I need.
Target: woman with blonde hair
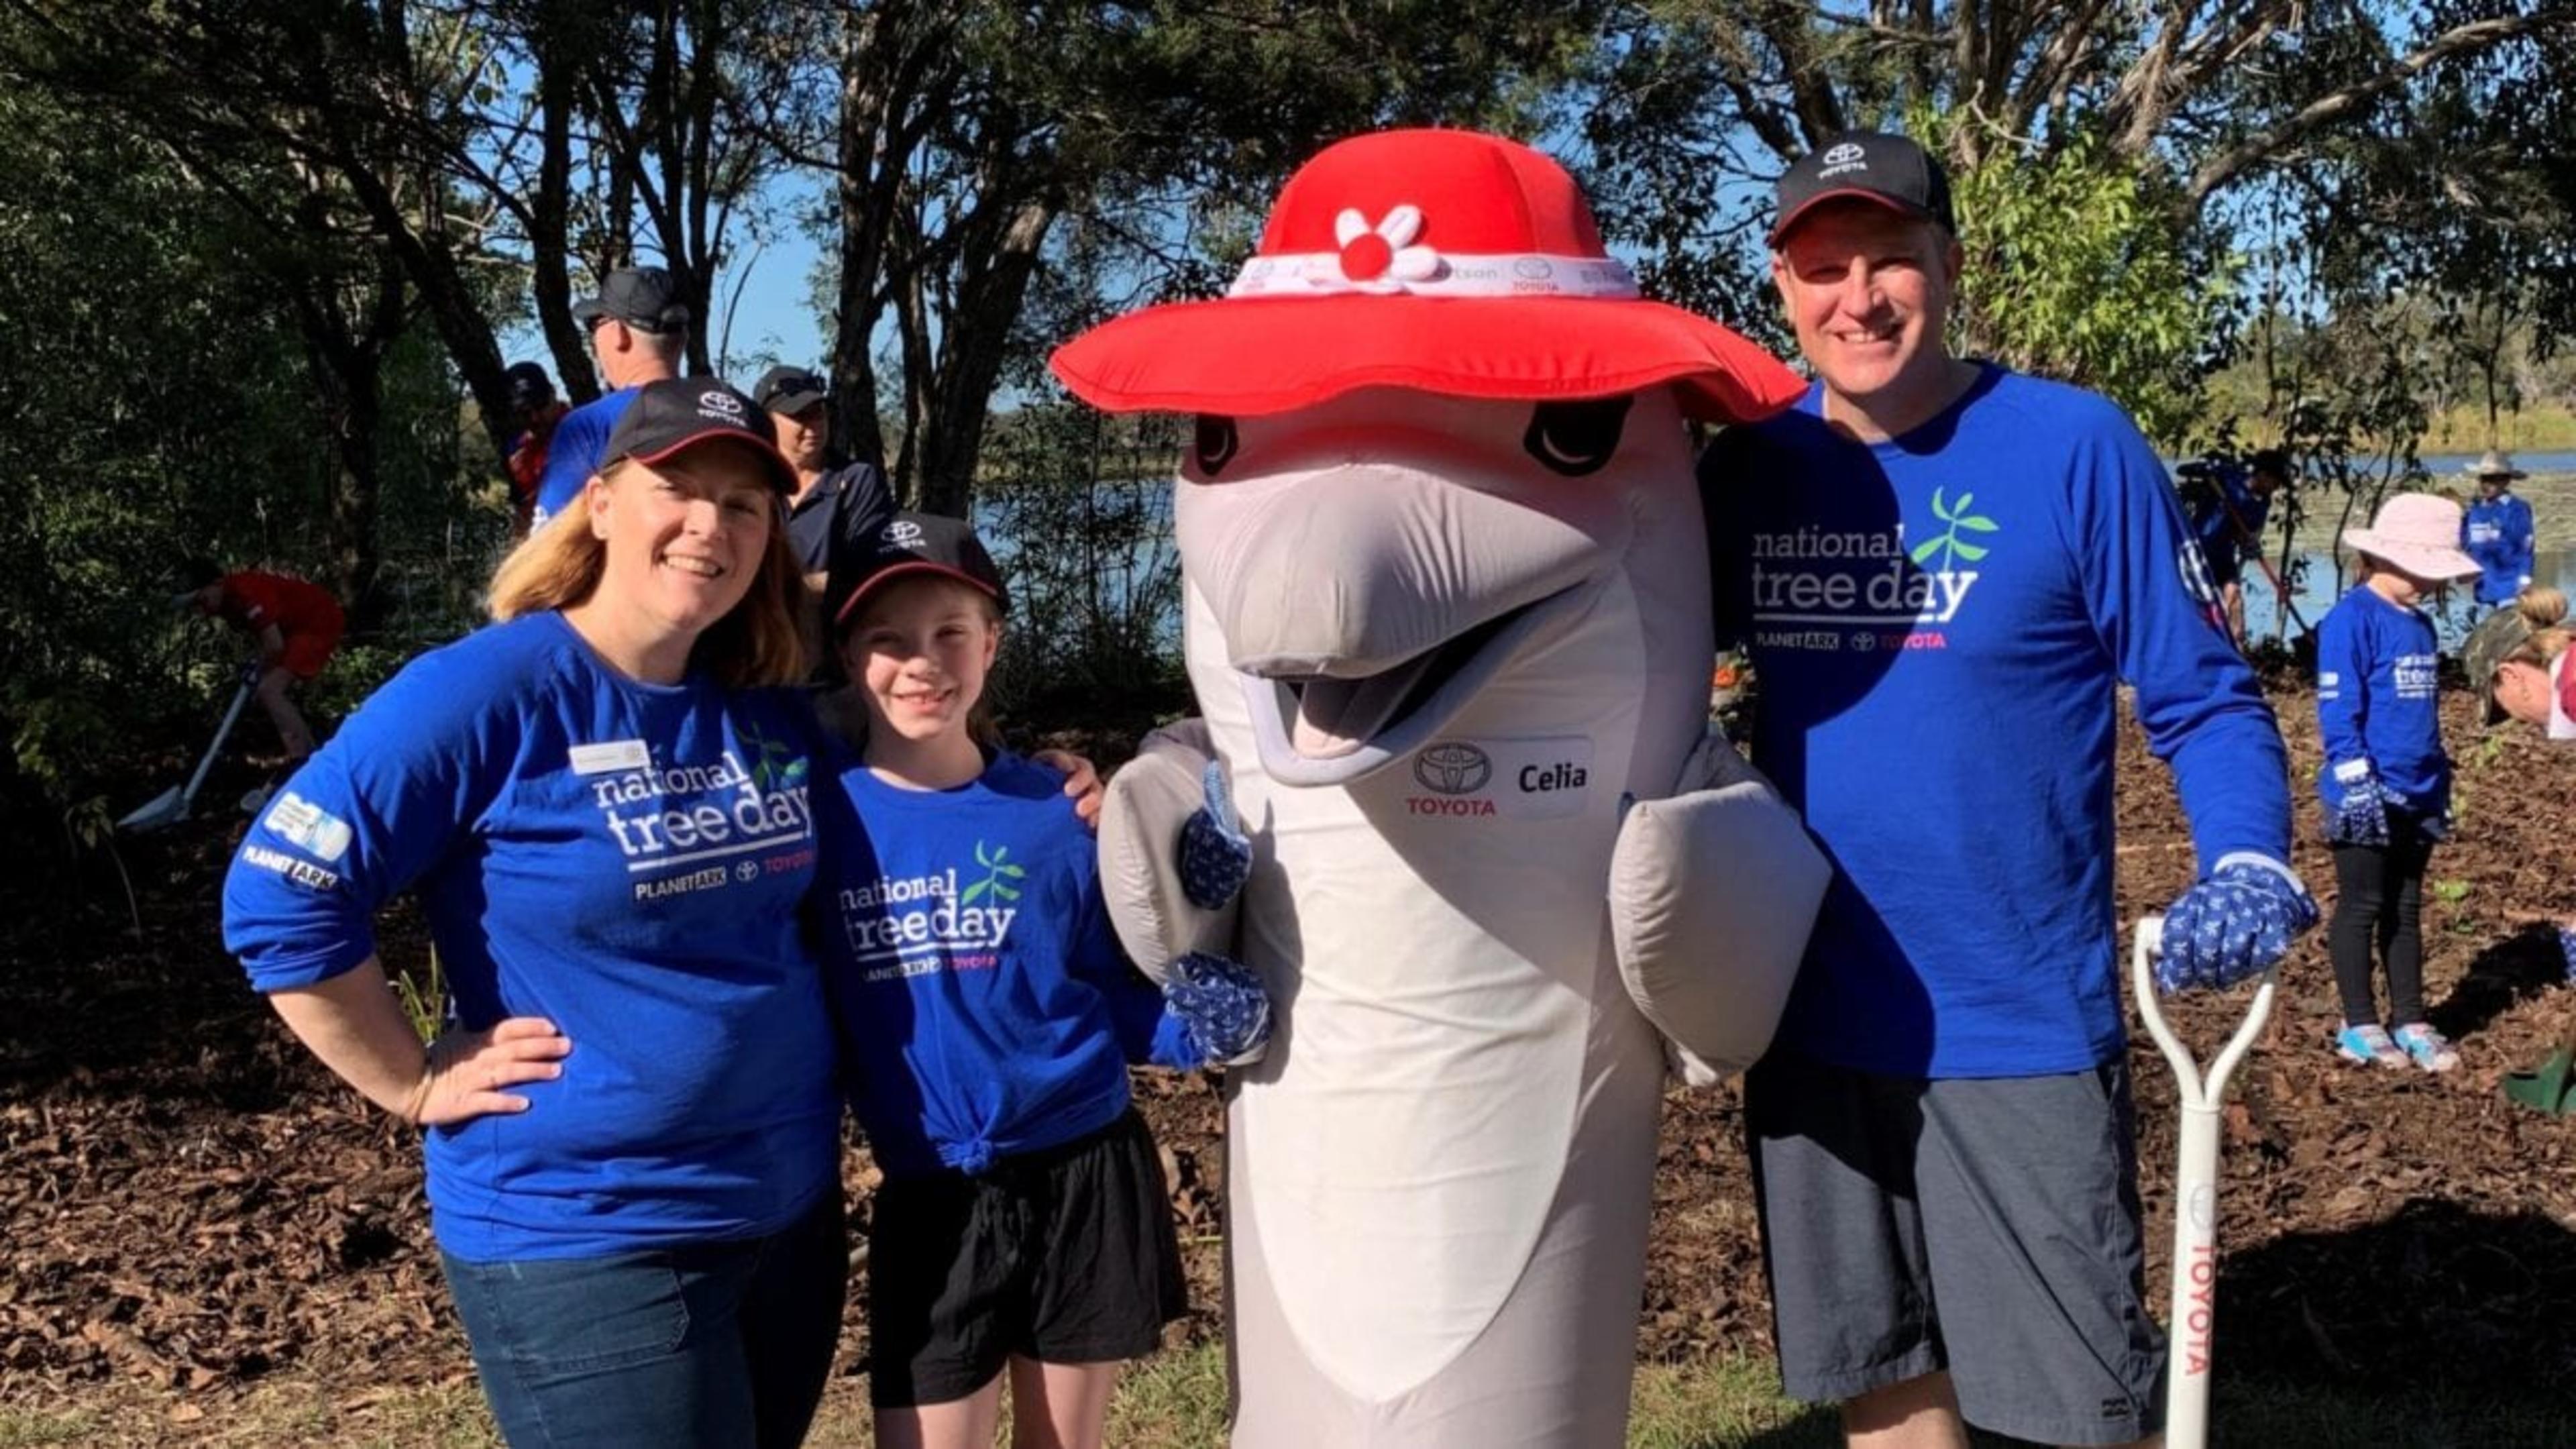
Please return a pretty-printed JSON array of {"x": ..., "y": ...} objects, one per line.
[
  {"x": 631, "y": 1120},
  {"x": 2517, "y": 657}
]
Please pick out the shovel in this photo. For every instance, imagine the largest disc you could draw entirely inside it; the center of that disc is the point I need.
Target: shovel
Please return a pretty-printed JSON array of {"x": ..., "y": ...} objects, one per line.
[
  {"x": 2195, "y": 1250},
  {"x": 171, "y": 805},
  {"x": 2546, "y": 1086}
]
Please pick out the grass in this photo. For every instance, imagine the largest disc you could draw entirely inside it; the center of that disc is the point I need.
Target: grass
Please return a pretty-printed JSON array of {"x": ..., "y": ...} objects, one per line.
[{"x": 1177, "y": 1401}]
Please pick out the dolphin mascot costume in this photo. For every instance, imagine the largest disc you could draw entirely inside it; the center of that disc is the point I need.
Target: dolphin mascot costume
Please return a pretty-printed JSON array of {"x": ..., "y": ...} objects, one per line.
[{"x": 1447, "y": 619}]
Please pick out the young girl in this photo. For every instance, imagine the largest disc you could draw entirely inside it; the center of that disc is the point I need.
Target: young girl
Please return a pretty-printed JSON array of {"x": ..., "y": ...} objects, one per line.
[
  {"x": 987, "y": 1018},
  {"x": 2386, "y": 781}
]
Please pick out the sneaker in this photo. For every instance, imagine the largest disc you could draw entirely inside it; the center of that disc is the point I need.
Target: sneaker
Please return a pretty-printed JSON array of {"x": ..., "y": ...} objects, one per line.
[
  {"x": 2425, "y": 1047},
  {"x": 2368, "y": 1045}
]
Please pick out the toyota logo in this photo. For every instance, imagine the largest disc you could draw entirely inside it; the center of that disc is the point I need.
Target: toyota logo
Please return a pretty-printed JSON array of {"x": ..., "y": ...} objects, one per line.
[
  {"x": 1453, "y": 767},
  {"x": 1844, "y": 154},
  {"x": 719, "y": 402},
  {"x": 903, "y": 533}
]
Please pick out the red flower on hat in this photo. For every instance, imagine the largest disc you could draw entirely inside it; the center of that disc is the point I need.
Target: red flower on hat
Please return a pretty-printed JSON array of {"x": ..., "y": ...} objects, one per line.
[{"x": 1384, "y": 254}]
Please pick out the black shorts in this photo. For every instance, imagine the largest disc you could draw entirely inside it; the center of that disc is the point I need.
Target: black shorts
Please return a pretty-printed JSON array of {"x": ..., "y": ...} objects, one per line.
[{"x": 1064, "y": 1255}]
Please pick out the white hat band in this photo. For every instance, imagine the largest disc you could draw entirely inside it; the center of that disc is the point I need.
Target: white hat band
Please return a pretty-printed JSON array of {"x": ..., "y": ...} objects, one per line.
[{"x": 1524, "y": 274}]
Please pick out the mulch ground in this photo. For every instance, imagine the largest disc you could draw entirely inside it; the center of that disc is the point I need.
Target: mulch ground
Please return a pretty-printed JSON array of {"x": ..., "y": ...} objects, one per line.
[{"x": 185, "y": 1199}]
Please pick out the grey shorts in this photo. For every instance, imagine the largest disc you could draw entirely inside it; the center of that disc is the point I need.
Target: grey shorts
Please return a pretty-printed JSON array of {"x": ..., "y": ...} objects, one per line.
[{"x": 1988, "y": 1227}]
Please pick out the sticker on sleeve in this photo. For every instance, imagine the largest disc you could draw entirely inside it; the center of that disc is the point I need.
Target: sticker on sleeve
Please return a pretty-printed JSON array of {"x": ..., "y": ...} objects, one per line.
[
  {"x": 308, "y": 826},
  {"x": 609, "y": 755}
]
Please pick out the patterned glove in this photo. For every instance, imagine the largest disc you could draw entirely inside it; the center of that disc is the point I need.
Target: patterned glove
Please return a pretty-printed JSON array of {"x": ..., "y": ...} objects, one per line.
[
  {"x": 1220, "y": 1005},
  {"x": 2233, "y": 925},
  {"x": 2362, "y": 816},
  {"x": 2567, "y": 950},
  {"x": 1216, "y": 856}
]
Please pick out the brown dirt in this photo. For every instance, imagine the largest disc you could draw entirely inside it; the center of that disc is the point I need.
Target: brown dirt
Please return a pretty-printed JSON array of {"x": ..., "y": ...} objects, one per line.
[{"x": 186, "y": 1200}]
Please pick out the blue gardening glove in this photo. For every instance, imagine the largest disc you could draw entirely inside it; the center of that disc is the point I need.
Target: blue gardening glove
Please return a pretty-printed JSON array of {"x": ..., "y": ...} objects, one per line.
[
  {"x": 1216, "y": 856},
  {"x": 2361, "y": 818},
  {"x": 253, "y": 670},
  {"x": 1220, "y": 1005},
  {"x": 2567, "y": 950},
  {"x": 2233, "y": 925}
]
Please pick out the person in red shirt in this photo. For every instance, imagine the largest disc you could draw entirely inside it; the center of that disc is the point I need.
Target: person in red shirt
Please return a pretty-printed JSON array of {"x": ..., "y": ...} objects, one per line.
[
  {"x": 295, "y": 624},
  {"x": 534, "y": 411}
]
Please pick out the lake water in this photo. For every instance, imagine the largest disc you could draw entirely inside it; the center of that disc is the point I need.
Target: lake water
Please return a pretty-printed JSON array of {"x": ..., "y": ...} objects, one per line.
[{"x": 2315, "y": 593}]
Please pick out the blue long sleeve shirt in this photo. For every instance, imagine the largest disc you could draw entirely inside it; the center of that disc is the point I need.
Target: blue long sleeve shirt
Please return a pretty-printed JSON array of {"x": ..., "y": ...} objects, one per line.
[
  {"x": 2497, "y": 532},
  {"x": 2378, "y": 703},
  {"x": 580, "y": 442},
  {"x": 624, "y": 859},
  {"x": 1938, "y": 625},
  {"x": 984, "y": 1006}
]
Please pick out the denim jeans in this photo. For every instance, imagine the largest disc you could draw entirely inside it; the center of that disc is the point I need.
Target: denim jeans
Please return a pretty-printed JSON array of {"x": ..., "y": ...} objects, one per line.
[{"x": 716, "y": 1345}]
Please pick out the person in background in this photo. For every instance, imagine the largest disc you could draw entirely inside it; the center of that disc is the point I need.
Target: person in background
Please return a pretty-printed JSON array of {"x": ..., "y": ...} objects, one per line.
[
  {"x": 2518, "y": 658},
  {"x": 295, "y": 626},
  {"x": 987, "y": 1018},
  {"x": 2386, "y": 781},
  {"x": 603, "y": 803},
  {"x": 639, "y": 332},
  {"x": 838, "y": 510},
  {"x": 2497, "y": 531},
  {"x": 1944, "y": 571},
  {"x": 535, "y": 412},
  {"x": 2229, "y": 523}
]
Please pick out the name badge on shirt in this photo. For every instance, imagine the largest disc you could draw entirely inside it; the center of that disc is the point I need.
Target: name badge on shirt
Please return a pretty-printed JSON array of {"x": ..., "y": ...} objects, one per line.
[{"x": 609, "y": 755}]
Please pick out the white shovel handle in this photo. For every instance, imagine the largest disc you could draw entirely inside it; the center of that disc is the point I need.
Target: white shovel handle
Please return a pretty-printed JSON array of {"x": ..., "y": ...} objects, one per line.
[{"x": 2195, "y": 1248}]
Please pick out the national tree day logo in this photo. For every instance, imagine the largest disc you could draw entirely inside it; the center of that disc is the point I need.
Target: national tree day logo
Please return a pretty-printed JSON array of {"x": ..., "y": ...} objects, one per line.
[
  {"x": 998, "y": 871},
  {"x": 1950, "y": 546}
]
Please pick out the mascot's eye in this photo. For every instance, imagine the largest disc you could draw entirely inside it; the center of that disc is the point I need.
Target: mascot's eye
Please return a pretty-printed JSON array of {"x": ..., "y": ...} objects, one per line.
[
  {"x": 1215, "y": 444},
  {"x": 1575, "y": 438}
]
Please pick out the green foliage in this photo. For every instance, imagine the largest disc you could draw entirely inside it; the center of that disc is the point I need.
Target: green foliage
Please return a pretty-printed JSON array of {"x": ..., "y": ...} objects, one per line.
[
  {"x": 423, "y": 995},
  {"x": 1078, "y": 508},
  {"x": 2077, "y": 269}
]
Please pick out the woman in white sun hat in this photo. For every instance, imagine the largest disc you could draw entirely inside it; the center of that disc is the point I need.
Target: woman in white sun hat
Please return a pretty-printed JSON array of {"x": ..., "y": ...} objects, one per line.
[
  {"x": 2497, "y": 531},
  {"x": 2386, "y": 782}
]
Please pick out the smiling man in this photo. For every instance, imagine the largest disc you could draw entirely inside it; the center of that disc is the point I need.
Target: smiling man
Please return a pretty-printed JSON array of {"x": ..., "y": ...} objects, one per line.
[{"x": 1942, "y": 571}]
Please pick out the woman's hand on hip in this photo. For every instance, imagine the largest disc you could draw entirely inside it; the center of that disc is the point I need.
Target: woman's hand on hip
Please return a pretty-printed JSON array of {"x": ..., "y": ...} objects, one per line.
[{"x": 468, "y": 1074}]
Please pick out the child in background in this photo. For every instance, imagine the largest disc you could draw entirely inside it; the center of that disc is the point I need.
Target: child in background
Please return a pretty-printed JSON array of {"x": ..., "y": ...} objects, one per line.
[
  {"x": 2386, "y": 781},
  {"x": 987, "y": 1019}
]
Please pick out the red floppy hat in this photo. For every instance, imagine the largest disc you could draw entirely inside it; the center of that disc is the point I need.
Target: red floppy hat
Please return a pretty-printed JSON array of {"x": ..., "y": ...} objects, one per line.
[{"x": 1445, "y": 261}]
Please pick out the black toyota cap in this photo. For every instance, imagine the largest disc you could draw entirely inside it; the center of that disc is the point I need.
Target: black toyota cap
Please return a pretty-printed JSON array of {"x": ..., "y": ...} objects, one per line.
[
  {"x": 919, "y": 543},
  {"x": 790, "y": 389},
  {"x": 644, "y": 298},
  {"x": 679, "y": 413},
  {"x": 1870, "y": 165}
]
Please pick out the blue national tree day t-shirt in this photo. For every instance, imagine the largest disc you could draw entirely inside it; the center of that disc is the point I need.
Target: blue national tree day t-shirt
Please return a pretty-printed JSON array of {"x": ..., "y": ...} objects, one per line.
[
  {"x": 580, "y": 442},
  {"x": 985, "y": 1009},
  {"x": 2378, "y": 701},
  {"x": 1938, "y": 624},
  {"x": 2497, "y": 532},
  {"x": 627, "y": 860}
]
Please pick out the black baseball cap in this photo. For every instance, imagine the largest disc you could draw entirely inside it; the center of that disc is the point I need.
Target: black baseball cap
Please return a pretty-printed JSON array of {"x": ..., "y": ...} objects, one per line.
[
  {"x": 529, "y": 386},
  {"x": 644, "y": 298},
  {"x": 679, "y": 413},
  {"x": 790, "y": 389},
  {"x": 920, "y": 543},
  {"x": 1870, "y": 165}
]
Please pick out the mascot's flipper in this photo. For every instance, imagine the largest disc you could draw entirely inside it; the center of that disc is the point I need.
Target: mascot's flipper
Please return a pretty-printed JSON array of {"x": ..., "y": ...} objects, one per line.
[
  {"x": 1150, "y": 801},
  {"x": 1712, "y": 893}
]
